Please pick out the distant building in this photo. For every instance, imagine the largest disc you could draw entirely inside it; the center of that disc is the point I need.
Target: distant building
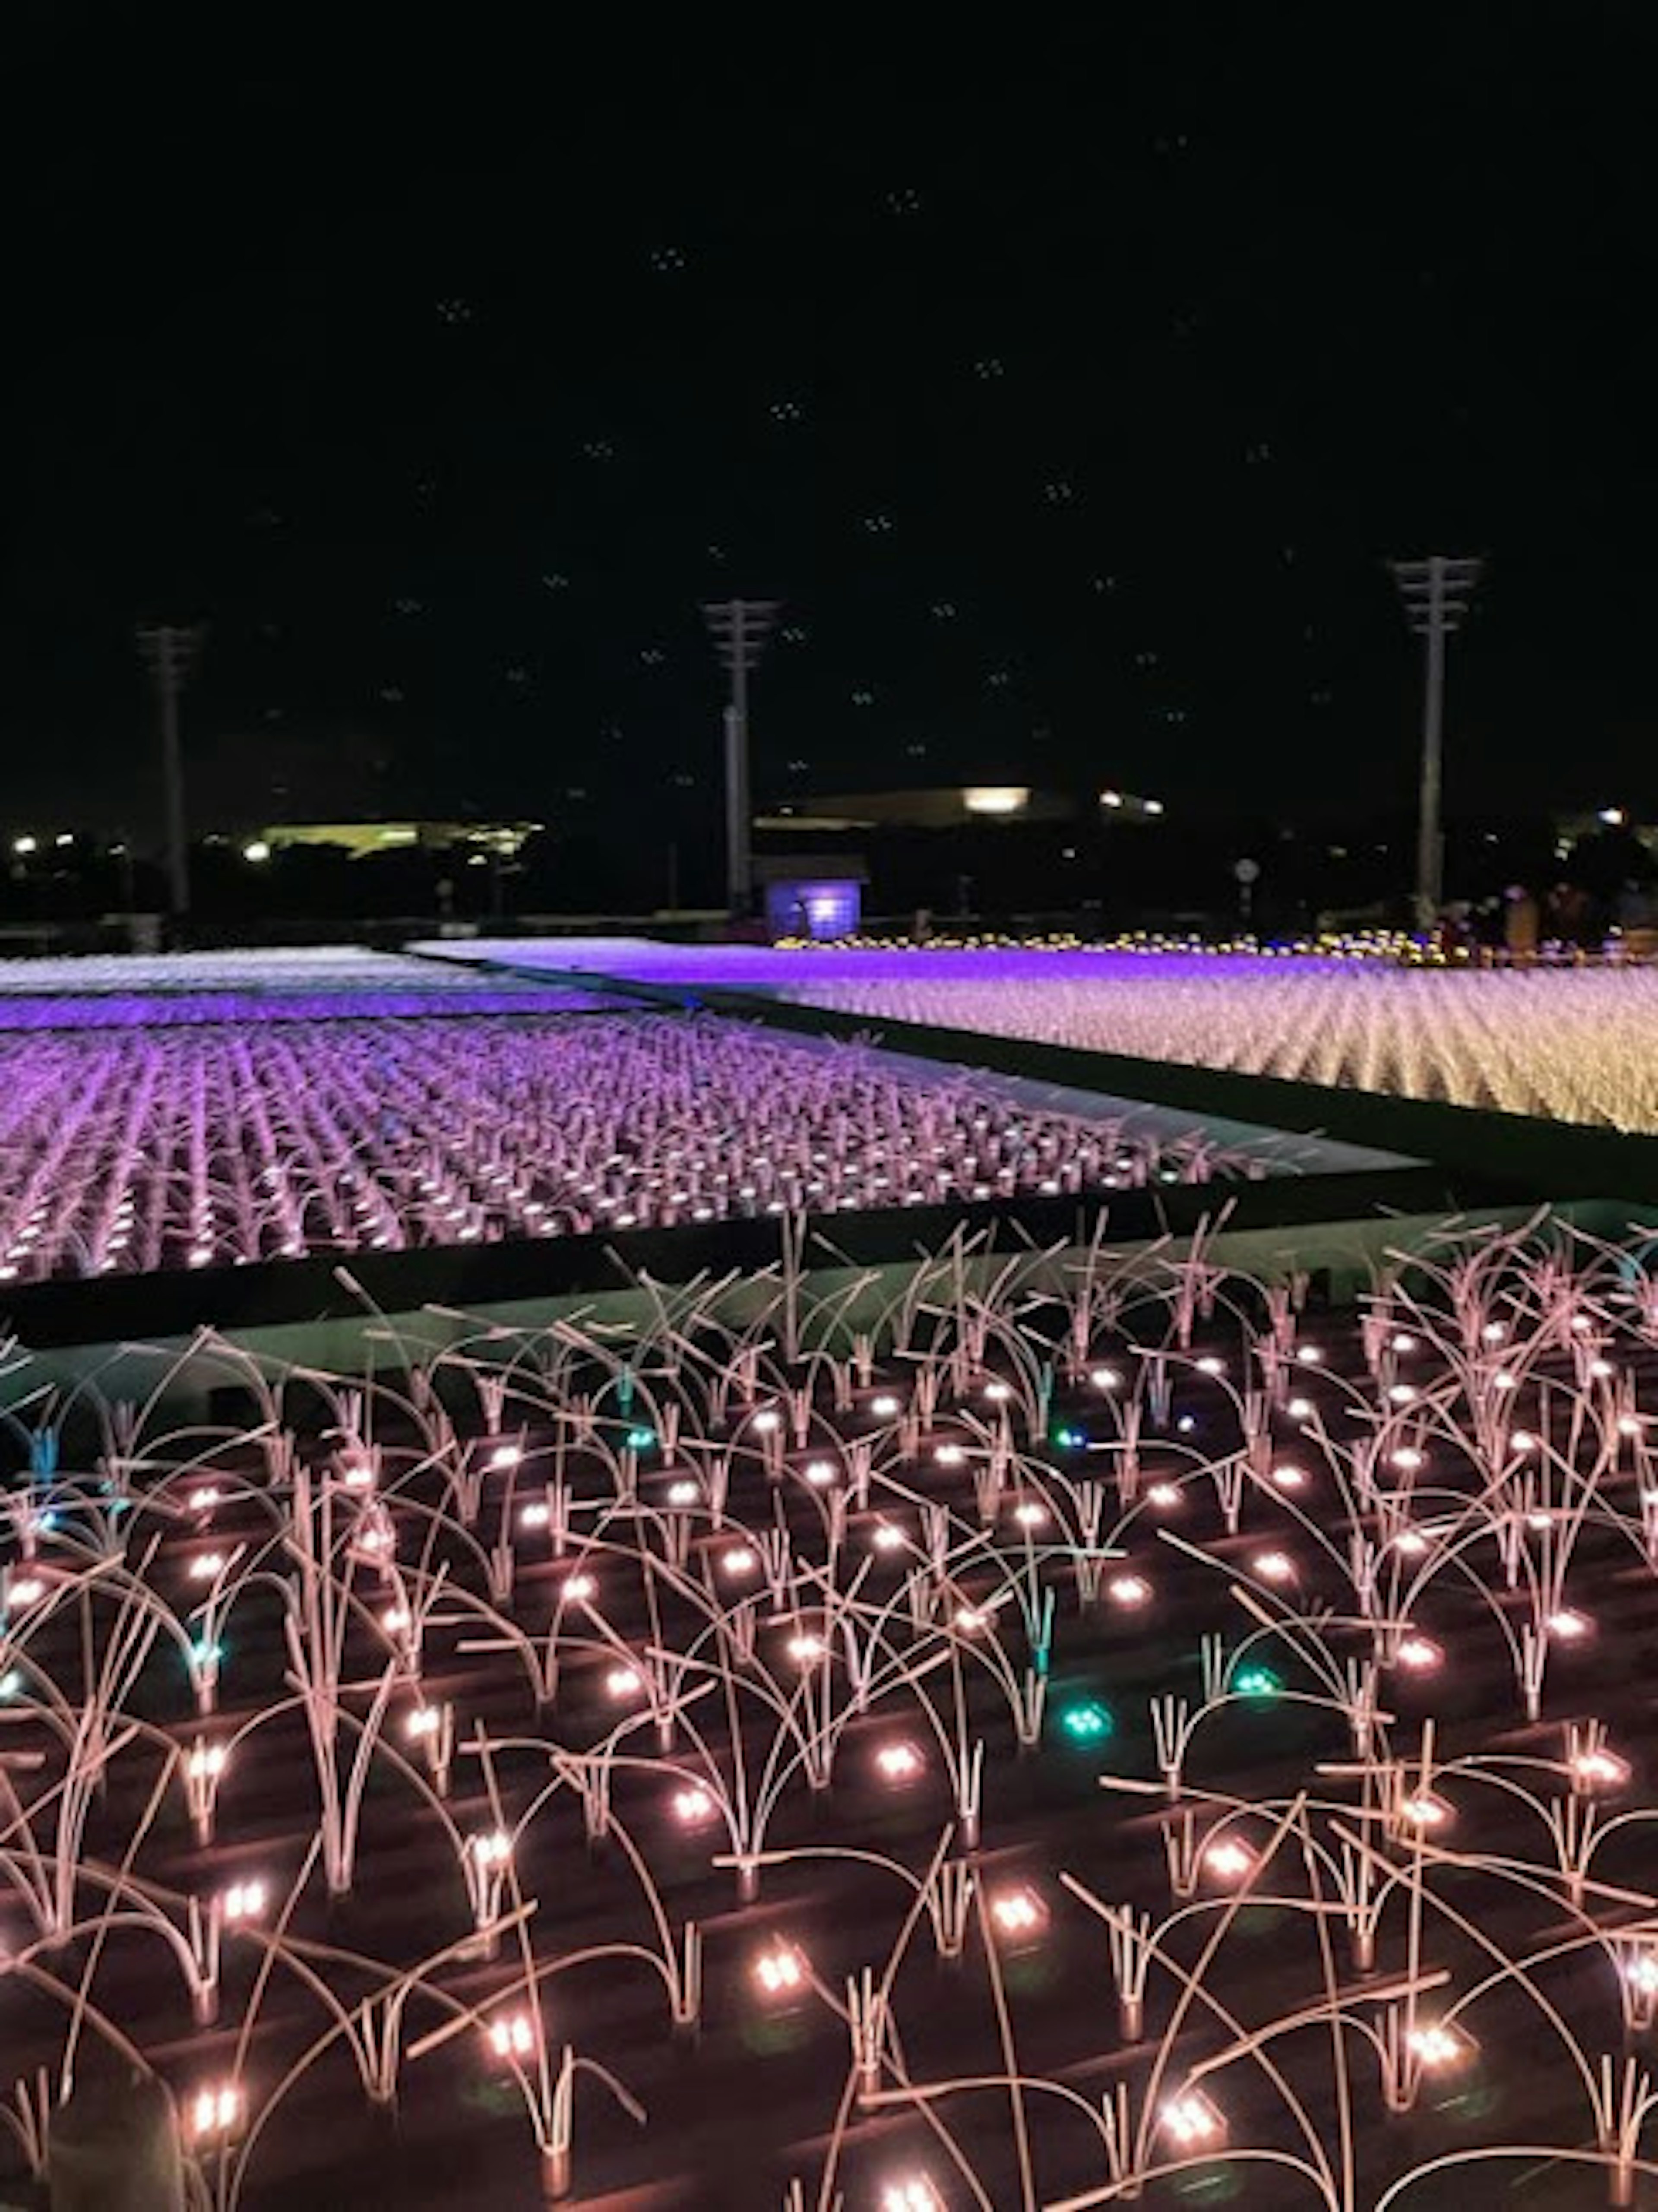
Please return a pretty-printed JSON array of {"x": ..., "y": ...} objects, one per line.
[
  {"x": 813, "y": 893},
  {"x": 362, "y": 840},
  {"x": 953, "y": 806}
]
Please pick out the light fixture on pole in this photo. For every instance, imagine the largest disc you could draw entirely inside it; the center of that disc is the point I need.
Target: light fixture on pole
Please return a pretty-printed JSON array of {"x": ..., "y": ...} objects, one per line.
[
  {"x": 1435, "y": 593},
  {"x": 169, "y": 651},
  {"x": 740, "y": 629}
]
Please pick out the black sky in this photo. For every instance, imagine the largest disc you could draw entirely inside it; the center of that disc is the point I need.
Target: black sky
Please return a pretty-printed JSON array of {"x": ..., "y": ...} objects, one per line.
[{"x": 1067, "y": 384}]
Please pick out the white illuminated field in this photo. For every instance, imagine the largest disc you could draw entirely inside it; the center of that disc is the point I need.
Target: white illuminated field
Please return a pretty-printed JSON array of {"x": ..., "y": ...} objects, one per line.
[{"x": 1573, "y": 1044}]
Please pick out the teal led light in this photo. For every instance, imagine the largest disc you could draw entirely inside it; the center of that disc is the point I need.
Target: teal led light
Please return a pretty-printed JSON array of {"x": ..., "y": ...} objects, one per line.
[
  {"x": 11, "y": 1684},
  {"x": 641, "y": 1439},
  {"x": 205, "y": 1653},
  {"x": 1086, "y": 1722},
  {"x": 1256, "y": 1682}
]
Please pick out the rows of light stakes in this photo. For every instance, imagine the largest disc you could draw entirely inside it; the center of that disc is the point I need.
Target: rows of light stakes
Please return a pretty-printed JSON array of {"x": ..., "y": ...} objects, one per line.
[
  {"x": 1578, "y": 1044},
  {"x": 902, "y": 1524},
  {"x": 225, "y": 1145}
]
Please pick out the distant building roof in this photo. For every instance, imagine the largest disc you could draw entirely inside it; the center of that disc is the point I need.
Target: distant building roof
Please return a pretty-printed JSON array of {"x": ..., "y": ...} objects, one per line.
[
  {"x": 943, "y": 808},
  {"x": 360, "y": 839}
]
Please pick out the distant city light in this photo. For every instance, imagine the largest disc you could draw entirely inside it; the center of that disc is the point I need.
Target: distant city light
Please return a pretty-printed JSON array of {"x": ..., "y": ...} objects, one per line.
[{"x": 997, "y": 798}]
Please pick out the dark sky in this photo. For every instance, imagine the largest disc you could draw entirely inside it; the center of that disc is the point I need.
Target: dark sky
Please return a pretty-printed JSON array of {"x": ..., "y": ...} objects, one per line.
[{"x": 1068, "y": 385}]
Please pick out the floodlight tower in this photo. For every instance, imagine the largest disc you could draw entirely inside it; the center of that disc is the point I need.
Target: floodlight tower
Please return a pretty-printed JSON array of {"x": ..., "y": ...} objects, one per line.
[
  {"x": 1435, "y": 593},
  {"x": 740, "y": 629},
  {"x": 169, "y": 651}
]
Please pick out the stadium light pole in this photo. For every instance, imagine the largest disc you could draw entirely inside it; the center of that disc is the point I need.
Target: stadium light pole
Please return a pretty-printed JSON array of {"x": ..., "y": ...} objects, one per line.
[
  {"x": 1435, "y": 593},
  {"x": 169, "y": 652},
  {"x": 739, "y": 629}
]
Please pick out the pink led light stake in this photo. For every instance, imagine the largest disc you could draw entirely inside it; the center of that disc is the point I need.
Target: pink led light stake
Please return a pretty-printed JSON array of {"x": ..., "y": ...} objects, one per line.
[
  {"x": 204, "y": 1767},
  {"x": 1637, "y": 1974},
  {"x": 911, "y": 2193},
  {"x": 1570, "y": 1627},
  {"x": 781, "y": 1973},
  {"x": 898, "y": 1762},
  {"x": 1437, "y": 2047},
  {"x": 1230, "y": 1860},
  {"x": 1194, "y": 2124},
  {"x": 215, "y": 2113},
  {"x": 486, "y": 1859},
  {"x": 511, "y": 2037},
  {"x": 1018, "y": 1915}
]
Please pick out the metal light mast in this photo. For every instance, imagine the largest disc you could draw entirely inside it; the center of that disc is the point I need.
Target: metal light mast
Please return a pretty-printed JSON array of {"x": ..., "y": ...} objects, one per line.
[
  {"x": 169, "y": 652},
  {"x": 740, "y": 629},
  {"x": 1435, "y": 593}
]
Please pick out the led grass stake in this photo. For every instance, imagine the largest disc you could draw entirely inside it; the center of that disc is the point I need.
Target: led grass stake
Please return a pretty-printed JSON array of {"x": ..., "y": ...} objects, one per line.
[
  {"x": 899, "y": 1762},
  {"x": 216, "y": 2113},
  {"x": 204, "y": 1766},
  {"x": 1636, "y": 1960},
  {"x": 1086, "y": 1722},
  {"x": 1192, "y": 2124},
  {"x": 911, "y": 2192},
  {"x": 486, "y": 1859},
  {"x": 1019, "y": 1915},
  {"x": 781, "y": 1974}
]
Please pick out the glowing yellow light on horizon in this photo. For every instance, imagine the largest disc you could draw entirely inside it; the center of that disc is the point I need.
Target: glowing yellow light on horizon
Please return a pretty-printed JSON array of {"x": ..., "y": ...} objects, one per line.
[{"x": 997, "y": 798}]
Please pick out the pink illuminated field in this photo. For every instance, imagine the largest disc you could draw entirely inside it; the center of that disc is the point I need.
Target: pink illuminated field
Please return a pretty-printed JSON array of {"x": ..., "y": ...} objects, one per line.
[
  {"x": 1092, "y": 1732},
  {"x": 218, "y": 1142}
]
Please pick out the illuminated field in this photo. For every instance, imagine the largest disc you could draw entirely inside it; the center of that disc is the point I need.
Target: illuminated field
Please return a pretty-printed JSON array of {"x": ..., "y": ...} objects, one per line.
[
  {"x": 1575, "y": 1044},
  {"x": 1083, "y": 1733},
  {"x": 213, "y": 1143}
]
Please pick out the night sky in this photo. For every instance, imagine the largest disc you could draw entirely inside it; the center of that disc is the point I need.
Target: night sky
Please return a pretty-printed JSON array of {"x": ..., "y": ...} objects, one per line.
[{"x": 1068, "y": 385}]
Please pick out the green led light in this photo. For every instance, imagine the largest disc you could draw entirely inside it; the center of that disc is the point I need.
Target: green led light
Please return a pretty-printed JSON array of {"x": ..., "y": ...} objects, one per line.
[
  {"x": 1256, "y": 1682},
  {"x": 1086, "y": 1722},
  {"x": 1069, "y": 1439}
]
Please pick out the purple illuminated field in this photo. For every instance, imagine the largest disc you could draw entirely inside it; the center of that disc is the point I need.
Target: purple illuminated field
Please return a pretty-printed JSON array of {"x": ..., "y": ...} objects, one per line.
[
  {"x": 1090, "y": 1733},
  {"x": 126, "y": 991},
  {"x": 219, "y": 1144},
  {"x": 1578, "y": 1044}
]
